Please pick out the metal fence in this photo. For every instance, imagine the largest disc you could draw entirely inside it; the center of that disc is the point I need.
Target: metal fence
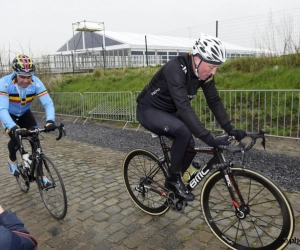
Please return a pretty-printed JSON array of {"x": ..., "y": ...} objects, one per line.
[
  {"x": 275, "y": 111},
  {"x": 66, "y": 104},
  {"x": 114, "y": 106}
]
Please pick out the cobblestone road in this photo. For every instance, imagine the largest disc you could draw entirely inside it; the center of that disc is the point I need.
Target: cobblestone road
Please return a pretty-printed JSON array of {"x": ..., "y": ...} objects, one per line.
[{"x": 100, "y": 212}]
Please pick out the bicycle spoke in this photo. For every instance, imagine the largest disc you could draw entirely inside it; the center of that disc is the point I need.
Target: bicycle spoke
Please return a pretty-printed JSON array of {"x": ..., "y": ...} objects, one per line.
[
  {"x": 223, "y": 199},
  {"x": 272, "y": 224},
  {"x": 141, "y": 166},
  {"x": 225, "y": 218},
  {"x": 257, "y": 233},
  {"x": 150, "y": 201},
  {"x": 244, "y": 234},
  {"x": 263, "y": 202}
]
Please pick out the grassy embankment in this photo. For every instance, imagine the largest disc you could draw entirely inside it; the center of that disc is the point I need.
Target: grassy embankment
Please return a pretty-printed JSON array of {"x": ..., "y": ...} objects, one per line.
[{"x": 244, "y": 73}]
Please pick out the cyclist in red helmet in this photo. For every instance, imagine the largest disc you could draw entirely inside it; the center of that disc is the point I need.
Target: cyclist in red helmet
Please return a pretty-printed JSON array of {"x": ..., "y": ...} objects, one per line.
[
  {"x": 164, "y": 106},
  {"x": 17, "y": 91}
]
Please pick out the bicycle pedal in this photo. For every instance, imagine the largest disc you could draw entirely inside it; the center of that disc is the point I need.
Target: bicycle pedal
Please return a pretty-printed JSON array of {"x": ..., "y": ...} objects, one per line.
[{"x": 175, "y": 203}]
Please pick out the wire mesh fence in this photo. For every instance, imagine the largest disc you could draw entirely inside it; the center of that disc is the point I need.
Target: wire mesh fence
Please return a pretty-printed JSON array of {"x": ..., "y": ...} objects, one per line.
[
  {"x": 278, "y": 32},
  {"x": 275, "y": 111}
]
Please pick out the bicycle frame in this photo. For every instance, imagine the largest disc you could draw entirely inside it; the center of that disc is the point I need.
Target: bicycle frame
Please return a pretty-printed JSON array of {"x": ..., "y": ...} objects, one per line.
[
  {"x": 218, "y": 157},
  {"x": 37, "y": 151},
  {"x": 217, "y": 162}
]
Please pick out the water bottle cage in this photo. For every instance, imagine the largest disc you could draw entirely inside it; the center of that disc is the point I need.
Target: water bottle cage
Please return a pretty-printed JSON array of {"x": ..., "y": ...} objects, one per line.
[
  {"x": 26, "y": 160},
  {"x": 26, "y": 165}
]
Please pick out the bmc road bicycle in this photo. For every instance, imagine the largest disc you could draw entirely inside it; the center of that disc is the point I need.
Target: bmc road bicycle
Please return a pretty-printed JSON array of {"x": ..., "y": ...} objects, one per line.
[
  {"x": 37, "y": 165},
  {"x": 243, "y": 208}
]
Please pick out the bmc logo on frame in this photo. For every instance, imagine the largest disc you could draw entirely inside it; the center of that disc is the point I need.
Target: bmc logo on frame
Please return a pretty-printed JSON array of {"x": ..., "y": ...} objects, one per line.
[{"x": 293, "y": 241}]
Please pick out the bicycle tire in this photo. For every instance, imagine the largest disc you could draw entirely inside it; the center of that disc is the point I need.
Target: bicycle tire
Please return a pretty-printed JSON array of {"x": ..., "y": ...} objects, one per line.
[
  {"x": 144, "y": 178},
  {"x": 23, "y": 180},
  {"x": 270, "y": 212},
  {"x": 54, "y": 197}
]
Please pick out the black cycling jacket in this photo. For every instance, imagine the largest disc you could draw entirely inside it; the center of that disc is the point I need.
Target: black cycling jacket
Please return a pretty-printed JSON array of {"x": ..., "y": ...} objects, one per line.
[
  {"x": 13, "y": 234},
  {"x": 172, "y": 88}
]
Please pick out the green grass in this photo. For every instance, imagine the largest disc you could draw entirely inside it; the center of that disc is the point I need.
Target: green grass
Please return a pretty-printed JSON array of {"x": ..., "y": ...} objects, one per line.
[
  {"x": 244, "y": 73},
  {"x": 109, "y": 80},
  {"x": 260, "y": 73}
]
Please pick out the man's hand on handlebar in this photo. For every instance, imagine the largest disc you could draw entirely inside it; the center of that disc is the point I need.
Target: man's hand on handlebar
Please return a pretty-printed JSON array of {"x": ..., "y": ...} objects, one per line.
[
  {"x": 50, "y": 126},
  {"x": 20, "y": 131},
  {"x": 220, "y": 140},
  {"x": 215, "y": 141},
  {"x": 238, "y": 134}
]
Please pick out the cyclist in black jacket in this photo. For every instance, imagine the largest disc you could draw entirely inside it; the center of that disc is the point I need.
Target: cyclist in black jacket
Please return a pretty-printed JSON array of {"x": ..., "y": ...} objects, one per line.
[{"x": 164, "y": 106}]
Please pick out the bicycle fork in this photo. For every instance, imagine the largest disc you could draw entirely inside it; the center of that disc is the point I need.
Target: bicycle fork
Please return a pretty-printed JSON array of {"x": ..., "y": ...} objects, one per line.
[{"x": 232, "y": 185}]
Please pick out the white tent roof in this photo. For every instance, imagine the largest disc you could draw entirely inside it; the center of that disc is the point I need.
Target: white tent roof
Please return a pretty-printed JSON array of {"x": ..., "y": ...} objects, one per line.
[
  {"x": 138, "y": 40},
  {"x": 135, "y": 41}
]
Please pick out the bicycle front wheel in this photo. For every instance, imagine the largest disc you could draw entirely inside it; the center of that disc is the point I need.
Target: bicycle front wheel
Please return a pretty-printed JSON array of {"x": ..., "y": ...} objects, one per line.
[
  {"x": 266, "y": 220},
  {"x": 144, "y": 178},
  {"x": 53, "y": 194}
]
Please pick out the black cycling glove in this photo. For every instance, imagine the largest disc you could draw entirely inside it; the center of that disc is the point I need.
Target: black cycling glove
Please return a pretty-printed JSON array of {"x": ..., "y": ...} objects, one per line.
[
  {"x": 50, "y": 126},
  {"x": 23, "y": 132},
  {"x": 12, "y": 131},
  {"x": 215, "y": 141},
  {"x": 238, "y": 134}
]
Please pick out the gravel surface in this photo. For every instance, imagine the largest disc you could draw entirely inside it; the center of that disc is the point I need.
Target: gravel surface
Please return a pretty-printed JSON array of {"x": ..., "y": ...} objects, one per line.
[{"x": 281, "y": 168}]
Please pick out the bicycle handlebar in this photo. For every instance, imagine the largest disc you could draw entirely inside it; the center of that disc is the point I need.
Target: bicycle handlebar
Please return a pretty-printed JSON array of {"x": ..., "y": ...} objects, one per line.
[
  {"x": 241, "y": 148},
  {"x": 242, "y": 145},
  {"x": 254, "y": 136},
  {"x": 36, "y": 130}
]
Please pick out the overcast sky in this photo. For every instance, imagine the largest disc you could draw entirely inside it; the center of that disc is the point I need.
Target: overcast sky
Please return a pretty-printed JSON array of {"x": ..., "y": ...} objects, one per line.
[{"x": 41, "y": 27}]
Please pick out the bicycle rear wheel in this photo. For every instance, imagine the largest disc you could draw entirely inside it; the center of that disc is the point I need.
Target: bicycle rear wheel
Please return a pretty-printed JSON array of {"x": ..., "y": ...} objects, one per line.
[
  {"x": 22, "y": 179},
  {"x": 267, "y": 221},
  {"x": 54, "y": 196},
  {"x": 144, "y": 178}
]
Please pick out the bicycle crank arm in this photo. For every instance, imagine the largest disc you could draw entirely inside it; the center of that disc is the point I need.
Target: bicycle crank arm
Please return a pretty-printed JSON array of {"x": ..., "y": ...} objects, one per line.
[{"x": 160, "y": 192}]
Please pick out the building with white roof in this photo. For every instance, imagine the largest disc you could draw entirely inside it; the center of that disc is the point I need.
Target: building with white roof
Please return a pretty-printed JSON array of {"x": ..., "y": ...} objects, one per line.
[{"x": 122, "y": 49}]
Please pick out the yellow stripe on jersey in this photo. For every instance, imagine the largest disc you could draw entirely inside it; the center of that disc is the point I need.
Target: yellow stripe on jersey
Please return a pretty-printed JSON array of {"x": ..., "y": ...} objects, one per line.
[
  {"x": 17, "y": 99},
  {"x": 45, "y": 92}
]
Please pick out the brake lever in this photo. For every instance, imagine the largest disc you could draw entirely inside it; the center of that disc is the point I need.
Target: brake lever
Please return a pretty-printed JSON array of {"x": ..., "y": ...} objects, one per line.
[
  {"x": 61, "y": 130},
  {"x": 263, "y": 141}
]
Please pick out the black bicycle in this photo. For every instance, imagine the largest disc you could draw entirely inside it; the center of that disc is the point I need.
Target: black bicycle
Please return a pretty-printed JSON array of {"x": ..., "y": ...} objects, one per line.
[
  {"x": 36, "y": 166},
  {"x": 243, "y": 208}
]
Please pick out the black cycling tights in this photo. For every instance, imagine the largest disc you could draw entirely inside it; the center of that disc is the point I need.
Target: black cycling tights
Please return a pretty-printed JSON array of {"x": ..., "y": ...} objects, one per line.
[
  {"x": 163, "y": 123},
  {"x": 27, "y": 121}
]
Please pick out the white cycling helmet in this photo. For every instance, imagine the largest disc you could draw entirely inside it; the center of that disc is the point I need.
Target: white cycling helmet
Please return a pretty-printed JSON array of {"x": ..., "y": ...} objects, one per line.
[{"x": 210, "y": 49}]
